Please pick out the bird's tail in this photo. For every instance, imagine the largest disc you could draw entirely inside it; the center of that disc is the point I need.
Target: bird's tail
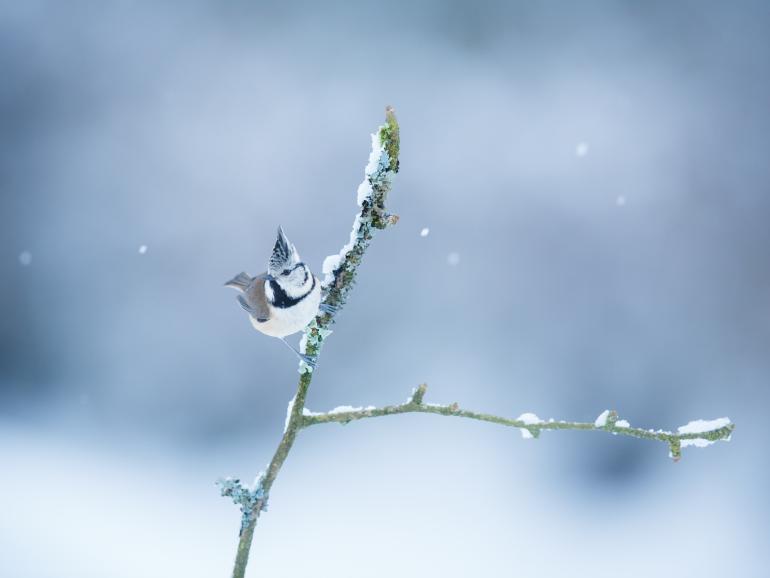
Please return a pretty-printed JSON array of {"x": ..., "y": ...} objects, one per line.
[{"x": 239, "y": 282}]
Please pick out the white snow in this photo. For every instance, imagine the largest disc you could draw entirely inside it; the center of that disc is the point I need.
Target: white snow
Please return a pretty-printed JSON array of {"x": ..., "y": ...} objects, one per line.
[
  {"x": 453, "y": 259},
  {"x": 307, "y": 413},
  {"x": 529, "y": 419},
  {"x": 142, "y": 249},
  {"x": 525, "y": 433},
  {"x": 304, "y": 368},
  {"x": 702, "y": 425},
  {"x": 345, "y": 409},
  {"x": 581, "y": 149},
  {"x": 331, "y": 263},
  {"x": 25, "y": 258},
  {"x": 697, "y": 442},
  {"x": 303, "y": 342},
  {"x": 288, "y": 413},
  {"x": 364, "y": 192},
  {"x": 425, "y": 232},
  {"x": 622, "y": 423},
  {"x": 372, "y": 167},
  {"x": 601, "y": 421},
  {"x": 375, "y": 173},
  {"x": 375, "y": 157}
]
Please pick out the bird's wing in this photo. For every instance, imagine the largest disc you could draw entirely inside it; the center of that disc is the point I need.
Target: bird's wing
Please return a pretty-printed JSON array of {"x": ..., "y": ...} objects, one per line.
[
  {"x": 254, "y": 297},
  {"x": 240, "y": 282}
]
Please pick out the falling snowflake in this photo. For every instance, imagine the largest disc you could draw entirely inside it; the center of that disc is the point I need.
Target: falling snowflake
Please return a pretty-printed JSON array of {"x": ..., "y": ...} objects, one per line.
[
  {"x": 142, "y": 249},
  {"x": 620, "y": 201},
  {"x": 581, "y": 149},
  {"x": 25, "y": 258},
  {"x": 453, "y": 259},
  {"x": 425, "y": 232}
]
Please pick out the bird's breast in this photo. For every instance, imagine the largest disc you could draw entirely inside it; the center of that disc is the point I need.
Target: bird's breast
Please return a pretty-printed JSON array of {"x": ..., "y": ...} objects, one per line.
[{"x": 284, "y": 321}]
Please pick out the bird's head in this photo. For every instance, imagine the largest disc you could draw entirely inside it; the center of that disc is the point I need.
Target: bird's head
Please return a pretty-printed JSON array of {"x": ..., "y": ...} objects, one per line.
[{"x": 286, "y": 267}]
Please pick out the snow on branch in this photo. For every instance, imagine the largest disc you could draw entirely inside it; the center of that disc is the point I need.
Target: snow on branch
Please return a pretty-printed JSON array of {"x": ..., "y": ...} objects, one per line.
[
  {"x": 697, "y": 433},
  {"x": 340, "y": 269},
  {"x": 340, "y": 272}
]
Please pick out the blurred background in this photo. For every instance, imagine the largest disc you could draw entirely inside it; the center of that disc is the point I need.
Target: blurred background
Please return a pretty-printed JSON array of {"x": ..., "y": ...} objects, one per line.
[{"x": 594, "y": 182}]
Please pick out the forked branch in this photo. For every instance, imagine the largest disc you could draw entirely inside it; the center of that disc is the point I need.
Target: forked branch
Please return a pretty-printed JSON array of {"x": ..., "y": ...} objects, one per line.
[{"x": 340, "y": 272}]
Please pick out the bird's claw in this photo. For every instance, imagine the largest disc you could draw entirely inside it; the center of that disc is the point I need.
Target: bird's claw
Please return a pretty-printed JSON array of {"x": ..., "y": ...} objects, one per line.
[
  {"x": 308, "y": 360},
  {"x": 328, "y": 309}
]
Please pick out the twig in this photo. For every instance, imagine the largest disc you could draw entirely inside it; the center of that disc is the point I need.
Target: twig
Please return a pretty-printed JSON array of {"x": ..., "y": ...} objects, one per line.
[{"x": 530, "y": 425}]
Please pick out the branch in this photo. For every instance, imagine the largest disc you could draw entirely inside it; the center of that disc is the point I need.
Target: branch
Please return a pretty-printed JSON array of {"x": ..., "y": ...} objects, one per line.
[
  {"x": 340, "y": 272},
  {"x": 339, "y": 275},
  {"x": 698, "y": 433}
]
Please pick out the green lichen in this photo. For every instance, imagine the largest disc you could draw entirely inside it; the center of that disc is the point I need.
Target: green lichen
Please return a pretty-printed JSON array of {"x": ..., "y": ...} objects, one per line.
[{"x": 390, "y": 138}]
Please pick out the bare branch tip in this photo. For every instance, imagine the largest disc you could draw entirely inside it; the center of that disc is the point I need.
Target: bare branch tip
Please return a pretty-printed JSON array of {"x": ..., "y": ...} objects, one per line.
[{"x": 418, "y": 394}]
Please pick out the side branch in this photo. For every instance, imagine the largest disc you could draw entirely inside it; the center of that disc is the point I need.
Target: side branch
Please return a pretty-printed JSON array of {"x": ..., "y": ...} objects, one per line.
[{"x": 698, "y": 433}]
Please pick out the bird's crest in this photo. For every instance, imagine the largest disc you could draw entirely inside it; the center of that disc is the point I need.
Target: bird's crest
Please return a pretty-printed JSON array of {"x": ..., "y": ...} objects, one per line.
[{"x": 284, "y": 253}]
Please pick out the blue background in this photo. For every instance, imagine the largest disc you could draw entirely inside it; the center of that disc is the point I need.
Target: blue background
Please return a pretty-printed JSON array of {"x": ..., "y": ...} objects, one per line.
[{"x": 634, "y": 276}]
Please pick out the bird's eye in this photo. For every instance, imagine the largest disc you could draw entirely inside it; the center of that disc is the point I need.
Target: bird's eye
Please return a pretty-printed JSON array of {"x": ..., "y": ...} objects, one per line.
[{"x": 285, "y": 272}]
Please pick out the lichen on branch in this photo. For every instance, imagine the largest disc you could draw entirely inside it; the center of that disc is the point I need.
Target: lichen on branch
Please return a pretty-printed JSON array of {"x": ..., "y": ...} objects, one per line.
[
  {"x": 340, "y": 272},
  {"x": 340, "y": 269},
  {"x": 698, "y": 433}
]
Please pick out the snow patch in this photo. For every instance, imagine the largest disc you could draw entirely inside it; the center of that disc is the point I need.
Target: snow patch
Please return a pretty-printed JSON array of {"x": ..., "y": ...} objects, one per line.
[
  {"x": 288, "y": 414},
  {"x": 333, "y": 262},
  {"x": 330, "y": 264},
  {"x": 376, "y": 156},
  {"x": 345, "y": 409},
  {"x": 703, "y": 425},
  {"x": 364, "y": 192},
  {"x": 525, "y": 433},
  {"x": 697, "y": 442},
  {"x": 622, "y": 423},
  {"x": 303, "y": 342},
  {"x": 529, "y": 419},
  {"x": 378, "y": 159},
  {"x": 601, "y": 421}
]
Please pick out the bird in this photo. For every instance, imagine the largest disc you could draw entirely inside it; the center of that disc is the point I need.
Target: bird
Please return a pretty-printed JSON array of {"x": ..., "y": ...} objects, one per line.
[{"x": 283, "y": 299}]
